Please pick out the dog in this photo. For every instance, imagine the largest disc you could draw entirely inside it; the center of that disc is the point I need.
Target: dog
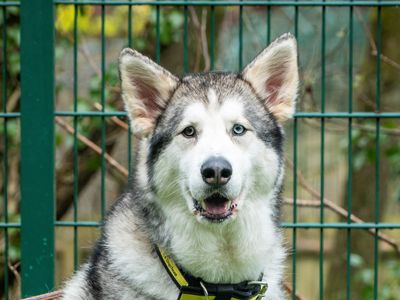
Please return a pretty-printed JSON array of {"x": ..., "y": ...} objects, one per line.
[{"x": 200, "y": 219}]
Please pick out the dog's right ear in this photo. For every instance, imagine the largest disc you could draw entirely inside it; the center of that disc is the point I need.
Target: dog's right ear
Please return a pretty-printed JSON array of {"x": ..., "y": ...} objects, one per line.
[
  {"x": 146, "y": 88},
  {"x": 274, "y": 76}
]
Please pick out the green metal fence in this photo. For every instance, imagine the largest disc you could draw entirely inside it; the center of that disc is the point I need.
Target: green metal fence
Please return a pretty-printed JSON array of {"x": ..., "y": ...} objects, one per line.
[{"x": 37, "y": 129}]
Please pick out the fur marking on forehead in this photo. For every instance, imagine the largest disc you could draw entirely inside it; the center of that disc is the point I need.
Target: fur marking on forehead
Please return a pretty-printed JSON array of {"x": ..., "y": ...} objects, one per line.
[
  {"x": 212, "y": 97},
  {"x": 229, "y": 109},
  {"x": 232, "y": 108}
]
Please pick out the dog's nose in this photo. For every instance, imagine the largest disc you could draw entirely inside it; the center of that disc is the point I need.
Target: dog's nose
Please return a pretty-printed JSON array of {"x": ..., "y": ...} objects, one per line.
[{"x": 216, "y": 171}]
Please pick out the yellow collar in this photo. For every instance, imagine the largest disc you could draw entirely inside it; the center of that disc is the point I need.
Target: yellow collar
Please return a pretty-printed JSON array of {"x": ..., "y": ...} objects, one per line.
[{"x": 192, "y": 288}]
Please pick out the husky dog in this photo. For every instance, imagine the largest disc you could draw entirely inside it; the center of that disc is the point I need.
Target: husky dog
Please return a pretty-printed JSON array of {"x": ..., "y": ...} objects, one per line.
[{"x": 207, "y": 181}]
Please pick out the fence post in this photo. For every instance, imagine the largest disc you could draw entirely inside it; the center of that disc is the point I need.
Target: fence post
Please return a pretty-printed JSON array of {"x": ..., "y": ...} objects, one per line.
[{"x": 37, "y": 146}]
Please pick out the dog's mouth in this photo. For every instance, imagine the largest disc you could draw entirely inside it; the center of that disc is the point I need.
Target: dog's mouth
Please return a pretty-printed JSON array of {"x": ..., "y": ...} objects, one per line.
[{"x": 215, "y": 207}]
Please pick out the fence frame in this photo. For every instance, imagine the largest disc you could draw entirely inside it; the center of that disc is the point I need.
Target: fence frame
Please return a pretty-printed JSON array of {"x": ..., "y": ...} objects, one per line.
[
  {"x": 37, "y": 131},
  {"x": 37, "y": 146}
]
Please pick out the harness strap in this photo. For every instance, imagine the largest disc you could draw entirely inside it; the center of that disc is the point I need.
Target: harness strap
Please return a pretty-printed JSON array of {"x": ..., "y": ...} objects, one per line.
[
  {"x": 172, "y": 269},
  {"x": 192, "y": 288}
]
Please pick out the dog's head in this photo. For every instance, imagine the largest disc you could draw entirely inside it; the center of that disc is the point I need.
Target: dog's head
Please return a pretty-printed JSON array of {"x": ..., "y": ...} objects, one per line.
[{"x": 213, "y": 142}]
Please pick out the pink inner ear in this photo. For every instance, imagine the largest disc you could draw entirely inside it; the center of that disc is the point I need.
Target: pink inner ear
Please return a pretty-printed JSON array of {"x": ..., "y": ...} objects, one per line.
[
  {"x": 273, "y": 86},
  {"x": 149, "y": 95}
]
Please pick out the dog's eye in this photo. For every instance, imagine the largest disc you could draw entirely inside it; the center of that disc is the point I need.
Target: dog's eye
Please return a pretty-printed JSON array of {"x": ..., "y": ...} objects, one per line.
[
  {"x": 238, "y": 129},
  {"x": 189, "y": 132}
]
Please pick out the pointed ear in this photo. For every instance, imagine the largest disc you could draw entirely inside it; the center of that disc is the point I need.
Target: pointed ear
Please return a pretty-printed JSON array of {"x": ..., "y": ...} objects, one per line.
[
  {"x": 146, "y": 88},
  {"x": 274, "y": 76}
]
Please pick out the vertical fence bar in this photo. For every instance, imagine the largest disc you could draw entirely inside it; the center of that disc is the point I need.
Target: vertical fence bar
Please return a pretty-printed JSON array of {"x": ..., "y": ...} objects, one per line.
[
  {"x": 268, "y": 24},
  {"x": 240, "y": 36},
  {"x": 158, "y": 46},
  {"x": 75, "y": 136},
  {"x": 130, "y": 25},
  {"x": 37, "y": 146},
  {"x": 130, "y": 45},
  {"x": 103, "y": 105},
  {"x": 349, "y": 156},
  {"x": 212, "y": 39},
  {"x": 322, "y": 162},
  {"x": 185, "y": 40},
  {"x": 295, "y": 133},
  {"x": 377, "y": 148},
  {"x": 5, "y": 153}
]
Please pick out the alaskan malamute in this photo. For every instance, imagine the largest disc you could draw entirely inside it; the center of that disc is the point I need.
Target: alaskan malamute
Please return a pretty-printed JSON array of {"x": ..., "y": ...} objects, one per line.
[{"x": 200, "y": 219}]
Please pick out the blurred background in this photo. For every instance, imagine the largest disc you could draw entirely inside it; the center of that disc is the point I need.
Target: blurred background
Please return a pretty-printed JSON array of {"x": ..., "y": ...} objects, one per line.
[{"x": 334, "y": 160}]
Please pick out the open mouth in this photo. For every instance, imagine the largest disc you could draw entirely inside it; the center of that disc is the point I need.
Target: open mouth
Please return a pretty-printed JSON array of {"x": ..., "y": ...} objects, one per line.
[{"x": 215, "y": 207}]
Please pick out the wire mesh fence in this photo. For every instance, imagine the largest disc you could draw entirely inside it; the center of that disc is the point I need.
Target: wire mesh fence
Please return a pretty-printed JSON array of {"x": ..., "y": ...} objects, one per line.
[{"x": 71, "y": 141}]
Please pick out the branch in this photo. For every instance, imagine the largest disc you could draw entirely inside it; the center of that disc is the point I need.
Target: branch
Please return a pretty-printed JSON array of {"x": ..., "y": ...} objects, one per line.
[
  {"x": 48, "y": 296},
  {"x": 13, "y": 99},
  {"x": 92, "y": 146},
  {"x": 387, "y": 60},
  {"x": 340, "y": 127},
  {"x": 372, "y": 43},
  {"x": 302, "y": 202},
  {"x": 290, "y": 291},
  {"x": 88, "y": 56},
  {"x": 340, "y": 210},
  {"x": 85, "y": 52},
  {"x": 366, "y": 30},
  {"x": 14, "y": 270},
  {"x": 116, "y": 120},
  {"x": 202, "y": 29}
]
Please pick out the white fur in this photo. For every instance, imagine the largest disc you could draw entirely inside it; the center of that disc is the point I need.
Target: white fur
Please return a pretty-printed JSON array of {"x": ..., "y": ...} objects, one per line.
[
  {"x": 247, "y": 154},
  {"x": 75, "y": 290},
  {"x": 248, "y": 243}
]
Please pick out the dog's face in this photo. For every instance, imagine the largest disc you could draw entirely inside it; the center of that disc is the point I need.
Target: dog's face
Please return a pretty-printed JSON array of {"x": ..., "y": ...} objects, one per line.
[{"x": 214, "y": 140}]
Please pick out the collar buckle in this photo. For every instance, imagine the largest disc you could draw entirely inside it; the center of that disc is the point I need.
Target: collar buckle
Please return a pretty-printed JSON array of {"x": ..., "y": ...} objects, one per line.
[
  {"x": 263, "y": 288},
  {"x": 204, "y": 290}
]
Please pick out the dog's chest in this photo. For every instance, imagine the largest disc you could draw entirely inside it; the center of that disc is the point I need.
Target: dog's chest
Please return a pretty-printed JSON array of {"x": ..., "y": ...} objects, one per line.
[
  {"x": 223, "y": 263},
  {"x": 234, "y": 255}
]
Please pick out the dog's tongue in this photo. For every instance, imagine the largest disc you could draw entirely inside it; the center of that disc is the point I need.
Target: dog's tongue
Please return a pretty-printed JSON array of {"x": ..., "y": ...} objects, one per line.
[{"x": 216, "y": 205}]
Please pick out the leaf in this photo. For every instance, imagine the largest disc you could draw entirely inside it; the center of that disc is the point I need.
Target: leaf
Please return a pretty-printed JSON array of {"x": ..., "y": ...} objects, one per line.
[{"x": 356, "y": 260}]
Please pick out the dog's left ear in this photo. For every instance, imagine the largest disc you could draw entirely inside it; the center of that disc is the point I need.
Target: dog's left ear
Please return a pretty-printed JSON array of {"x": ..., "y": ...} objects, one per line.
[
  {"x": 146, "y": 89},
  {"x": 274, "y": 76}
]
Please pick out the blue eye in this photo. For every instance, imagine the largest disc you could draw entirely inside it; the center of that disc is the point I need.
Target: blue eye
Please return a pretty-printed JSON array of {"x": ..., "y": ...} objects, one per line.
[
  {"x": 238, "y": 129},
  {"x": 189, "y": 132}
]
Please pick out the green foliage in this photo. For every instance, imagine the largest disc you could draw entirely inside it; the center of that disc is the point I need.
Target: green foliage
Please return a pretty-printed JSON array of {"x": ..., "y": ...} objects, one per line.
[
  {"x": 171, "y": 21},
  {"x": 12, "y": 134},
  {"x": 13, "y": 42},
  {"x": 14, "y": 238},
  {"x": 389, "y": 273},
  {"x": 364, "y": 145}
]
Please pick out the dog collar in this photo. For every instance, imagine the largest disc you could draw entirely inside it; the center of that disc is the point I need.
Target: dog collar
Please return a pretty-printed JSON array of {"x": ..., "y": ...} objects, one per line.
[{"x": 192, "y": 288}]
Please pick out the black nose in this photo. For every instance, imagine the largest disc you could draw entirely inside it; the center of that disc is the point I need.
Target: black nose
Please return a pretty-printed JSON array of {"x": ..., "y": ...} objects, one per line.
[{"x": 216, "y": 171}]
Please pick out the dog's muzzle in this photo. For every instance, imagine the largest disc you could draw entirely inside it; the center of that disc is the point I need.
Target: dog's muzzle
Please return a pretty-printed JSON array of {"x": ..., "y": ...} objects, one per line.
[{"x": 216, "y": 207}]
